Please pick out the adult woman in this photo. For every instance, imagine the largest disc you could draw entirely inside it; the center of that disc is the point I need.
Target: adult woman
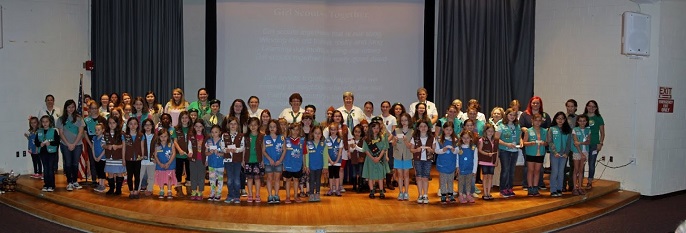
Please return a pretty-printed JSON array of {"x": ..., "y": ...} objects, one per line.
[
  {"x": 254, "y": 107},
  {"x": 430, "y": 107},
  {"x": 49, "y": 109},
  {"x": 176, "y": 105},
  {"x": 295, "y": 112},
  {"x": 202, "y": 104},
  {"x": 351, "y": 113},
  {"x": 70, "y": 126},
  {"x": 597, "y": 124}
]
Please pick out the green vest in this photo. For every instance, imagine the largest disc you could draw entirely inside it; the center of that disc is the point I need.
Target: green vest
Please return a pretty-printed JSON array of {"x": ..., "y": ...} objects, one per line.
[
  {"x": 48, "y": 136},
  {"x": 531, "y": 134}
]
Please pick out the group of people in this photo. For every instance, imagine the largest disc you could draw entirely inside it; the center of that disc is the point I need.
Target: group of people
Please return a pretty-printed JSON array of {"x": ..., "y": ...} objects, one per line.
[{"x": 161, "y": 145}]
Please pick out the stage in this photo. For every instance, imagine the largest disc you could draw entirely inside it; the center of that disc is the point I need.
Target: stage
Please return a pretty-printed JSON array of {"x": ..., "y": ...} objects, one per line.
[{"x": 353, "y": 212}]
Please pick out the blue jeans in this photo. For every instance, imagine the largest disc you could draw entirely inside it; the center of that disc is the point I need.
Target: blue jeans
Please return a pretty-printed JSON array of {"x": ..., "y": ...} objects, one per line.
[
  {"x": 49, "y": 160},
  {"x": 508, "y": 161},
  {"x": 233, "y": 179},
  {"x": 71, "y": 162},
  {"x": 557, "y": 172},
  {"x": 592, "y": 158}
]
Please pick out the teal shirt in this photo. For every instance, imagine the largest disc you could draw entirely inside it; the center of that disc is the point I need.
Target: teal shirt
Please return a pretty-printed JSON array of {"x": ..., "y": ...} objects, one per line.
[
  {"x": 532, "y": 135},
  {"x": 201, "y": 110}
]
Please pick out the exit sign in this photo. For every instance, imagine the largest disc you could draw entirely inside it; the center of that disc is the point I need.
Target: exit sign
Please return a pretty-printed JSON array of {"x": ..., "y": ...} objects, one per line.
[{"x": 665, "y": 103}]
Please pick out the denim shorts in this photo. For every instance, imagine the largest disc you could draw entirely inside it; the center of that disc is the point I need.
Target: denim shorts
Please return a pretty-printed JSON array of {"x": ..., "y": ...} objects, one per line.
[
  {"x": 487, "y": 170},
  {"x": 402, "y": 164},
  {"x": 272, "y": 169},
  {"x": 422, "y": 168}
]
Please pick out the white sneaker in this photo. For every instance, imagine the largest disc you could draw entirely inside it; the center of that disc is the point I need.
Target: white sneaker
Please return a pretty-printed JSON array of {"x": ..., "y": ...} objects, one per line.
[
  {"x": 76, "y": 185},
  {"x": 45, "y": 189},
  {"x": 420, "y": 200},
  {"x": 438, "y": 193},
  {"x": 70, "y": 187},
  {"x": 342, "y": 189},
  {"x": 51, "y": 189},
  {"x": 426, "y": 199},
  {"x": 475, "y": 195}
]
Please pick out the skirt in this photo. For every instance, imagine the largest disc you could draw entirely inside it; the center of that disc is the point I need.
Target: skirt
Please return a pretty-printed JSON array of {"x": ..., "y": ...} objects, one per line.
[
  {"x": 167, "y": 177},
  {"x": 114, "y": 167},
  {"x": 375, "y": 171}
]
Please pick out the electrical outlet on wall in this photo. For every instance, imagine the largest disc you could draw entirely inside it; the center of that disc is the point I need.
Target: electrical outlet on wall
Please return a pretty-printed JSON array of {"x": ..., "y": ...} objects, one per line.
[
  {"x": 633, "y": 160},
  {"x": 17, "y": 154},
  {"x": 611, "y": 159}
]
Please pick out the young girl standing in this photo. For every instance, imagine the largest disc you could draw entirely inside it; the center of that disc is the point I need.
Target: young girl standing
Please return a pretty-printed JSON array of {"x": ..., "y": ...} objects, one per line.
[
  {"x": 47, "y": 141},
  {"x": 233, "y": 158},
  {"x": 113, "y": 152},
  {"x": 402, "y": 155},
  {"x": 148, "y": 162},
  {"x": 376, "y": 164},
  {"x": 215, "y": 162},
  {"x": 559, "y": 141},
  {"x": 140, "y": 111},
  {"x": 535, "y": 143},
  {"x": 446, "y": 162},
  {"x": 98, "y": 148},
  {"x": 488, "y": 158},
  {"x": 356, "y": 159},
  {"x": 334, "y": 148},
  {"x": 293, "y": 161},
  {"x": 33, "y": 150},
  {"x": 582, "y": 138},
  {"x": 197, "y": 154},
  {"x": 466, "y": 166},
  {"x": 509, "y": 141},
  {"x": 165, "y": 163},
  {"x": 133, "y": 154},
  {"x": 597, "y": 125},
  {"x": 252, "y": 159},
  {"x": 181, "y": 138},
  {"x": 314, "y": 162},
  {"x": 273, "y": 160},
  {"x": 70, "y": 125},
  {"x": 422, "y": 154}
]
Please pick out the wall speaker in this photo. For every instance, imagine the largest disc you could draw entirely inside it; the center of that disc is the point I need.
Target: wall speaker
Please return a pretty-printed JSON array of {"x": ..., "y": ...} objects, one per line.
[{"x": 635, "y": 34}]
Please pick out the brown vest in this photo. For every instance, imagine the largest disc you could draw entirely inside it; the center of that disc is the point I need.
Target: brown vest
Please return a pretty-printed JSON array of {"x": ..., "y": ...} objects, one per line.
[
  {"x": 112, "y": 140},
  {"x": 236, "y": 141},
  {"x": 195, "y": 144},
  {"x": 357, "y": 157},
  {"x": 488, "y": 147},
  {"x": 258, "y": 148},
  {"x": 418, "y": 143},
  {"x": 133, "y": 147},
  {"x": 181, "y": 138},
  {"x": 144, "y": 145}
]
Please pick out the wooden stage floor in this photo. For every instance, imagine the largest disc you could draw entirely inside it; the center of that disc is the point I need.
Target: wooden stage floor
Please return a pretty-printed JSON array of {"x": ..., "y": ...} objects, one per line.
[{"x": 352, "y": 212}]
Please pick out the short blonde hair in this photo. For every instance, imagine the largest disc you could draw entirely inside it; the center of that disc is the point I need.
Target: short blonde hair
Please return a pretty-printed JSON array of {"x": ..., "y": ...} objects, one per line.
[{"x": 348, "y": 94}]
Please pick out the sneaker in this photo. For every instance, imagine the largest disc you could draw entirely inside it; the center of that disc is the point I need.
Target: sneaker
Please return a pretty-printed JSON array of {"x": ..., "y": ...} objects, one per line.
[
  {"x": 474, "y": 195},
  {"x": 70, "y": 187},
  {"x": 51, "y": 189},
  {"x": 244, "y": 193},
  {"x": 45, "y": 189},
  {"x": 536, "y": 193},
  {"x": 470, "y": 199},
  {"x": 477, "y": 190},
  {"x": 258, "y": 199},
  {"x": 443, "y": 200},
  {"x": 406, "y": 197},
  {"x": 41, "y": 177},
  {"x": 270, "y": 199},
  {"x": 530, "y": 192},
  {"x": 338, "y": 193},
  {"x": 76, "y": 185},
  {"x": 420, "y": 200},
  {"x": 382, "y": 195},
  {"x": 452, "y": 199},
  {"x": 249, "y": 199},
  {"x": 426, "y": 199},
  {"x": 438, "y": 193},
  {"x": 525, "y": 188},
  {"x": 169, "y": 195},
  {"x": 342, "y": 190},
  {"x": 371, "y": 195},
  {"x": 277, "y": 199},
  {"x": 504, "y": 194},
  {"x": 329, "y": 193},
  {"x": 237, "y": 201},
  {"x": 512, "y": 193},
  {"x": 542, "y": 187},
  {"x": 400, "y": 196},
  {"x": 228, "y": 200},
  {"x": 317, "y": 197}
]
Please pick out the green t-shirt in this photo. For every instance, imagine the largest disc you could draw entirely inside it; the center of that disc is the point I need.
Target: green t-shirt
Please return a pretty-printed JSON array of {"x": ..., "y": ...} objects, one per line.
[
  {"x": 595, "y": 122},
  {"x": 253, "y": 150}
]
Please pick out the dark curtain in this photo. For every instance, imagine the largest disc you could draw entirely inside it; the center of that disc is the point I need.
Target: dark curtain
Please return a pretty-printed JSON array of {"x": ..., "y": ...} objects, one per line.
[
  {"x": 485, "y": 51},
  {"x": 137, "y": 46}
]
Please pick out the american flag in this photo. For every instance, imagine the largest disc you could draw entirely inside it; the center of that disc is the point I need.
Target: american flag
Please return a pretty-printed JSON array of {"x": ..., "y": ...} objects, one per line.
[{"x": 83, "y": 162}]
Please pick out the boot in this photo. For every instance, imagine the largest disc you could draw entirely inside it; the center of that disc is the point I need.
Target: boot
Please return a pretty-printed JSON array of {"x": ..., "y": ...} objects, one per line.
[
  {"x": 179, "y": 191},
  {"x": 120, "y": 181},
  {"x": 110, "y": 183}
]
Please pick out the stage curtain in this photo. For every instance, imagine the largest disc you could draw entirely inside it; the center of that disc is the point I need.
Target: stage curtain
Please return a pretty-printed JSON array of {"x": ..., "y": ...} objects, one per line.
[
  {"x": 485, "y": 50},
  {"x": 137, "y": 46}
]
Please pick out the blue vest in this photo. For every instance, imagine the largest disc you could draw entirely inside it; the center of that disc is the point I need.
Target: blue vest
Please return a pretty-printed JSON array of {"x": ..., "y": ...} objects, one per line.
[
  {"x": 273, "y": 147},
  {"x": 163, "y": 154},
  {"x": 47, "y": 135},
  {"x": 315, "y": 155},
  {"x": 98, "y": 146},
  {"x": 294, "y": 155},
  {"x": 32, "y": 143},
  {"x": 445, "y": 163},
  {"x": 214, "y": 160},
  {"x": 466, "y": 159},
  {"x": 532, "y": 136},
  {"x": 333, "y": 145}
]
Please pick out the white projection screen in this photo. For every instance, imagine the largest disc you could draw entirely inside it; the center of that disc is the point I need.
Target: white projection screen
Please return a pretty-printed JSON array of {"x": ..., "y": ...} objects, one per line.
[{"x": 319, "y": 49}]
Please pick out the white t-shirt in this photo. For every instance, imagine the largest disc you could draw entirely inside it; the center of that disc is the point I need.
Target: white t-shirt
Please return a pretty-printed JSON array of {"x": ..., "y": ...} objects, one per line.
[
  {"x": 256, "y": 113},
  {"x": 290, "y": 116},
  {"x": 430, "y": 109},
  {"x": 357, "y": 115},
  {"x": 389, "y": 121}
]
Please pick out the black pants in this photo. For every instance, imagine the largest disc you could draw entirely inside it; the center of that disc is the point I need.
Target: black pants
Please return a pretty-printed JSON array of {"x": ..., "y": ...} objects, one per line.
[
  {"x": 181, "y": 164},
  {"x": 133, "y": 172},
  {"x": 37, "y": 165}
]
